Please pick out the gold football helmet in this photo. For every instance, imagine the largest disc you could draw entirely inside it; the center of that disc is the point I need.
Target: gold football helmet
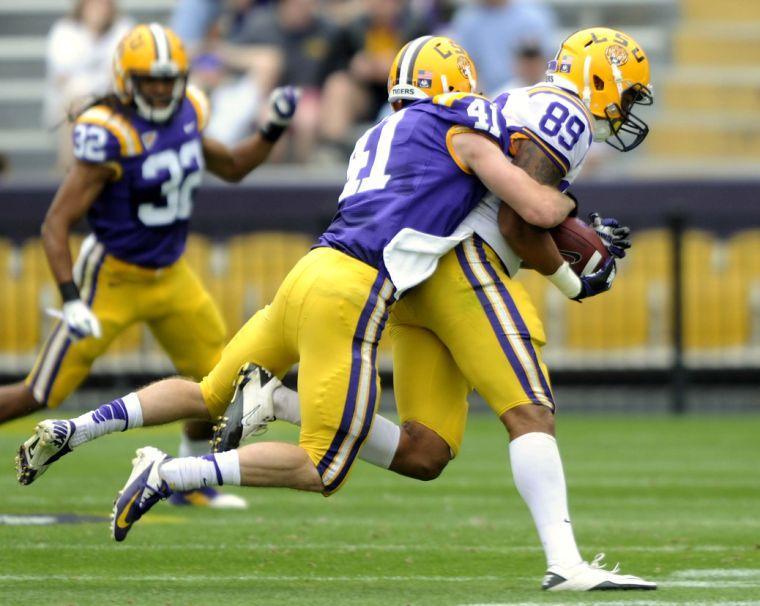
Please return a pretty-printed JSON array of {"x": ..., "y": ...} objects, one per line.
[
  {"x": 428, "y": 66},
  {"x": 150, "y": 51},
  {"x": 609, "y": 71}
]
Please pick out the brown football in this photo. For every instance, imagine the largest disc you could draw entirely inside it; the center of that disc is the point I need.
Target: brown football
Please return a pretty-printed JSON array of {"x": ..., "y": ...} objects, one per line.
[{"x": 580, "y": 246}]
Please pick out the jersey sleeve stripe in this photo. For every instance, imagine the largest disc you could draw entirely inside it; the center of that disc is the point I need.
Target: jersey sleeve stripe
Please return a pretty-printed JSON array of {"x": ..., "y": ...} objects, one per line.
[
  {"x": 126, "y": 135},
  {"x": 200, "y": 103},
  {"x": 448, "y": 99},
  {"x": 553, "y": 154},
  {"x": 455, "y": 130}
]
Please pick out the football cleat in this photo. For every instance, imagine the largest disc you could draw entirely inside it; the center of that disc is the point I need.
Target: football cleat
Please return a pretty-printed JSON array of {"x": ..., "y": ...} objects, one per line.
[
  {"x": 592, "y": 577},
  {"x": 143, "y": 490},
  {"x": 251, "y": 409},
  {"x": 49, "y": 443},
  {"x": 208, "y": 497}
]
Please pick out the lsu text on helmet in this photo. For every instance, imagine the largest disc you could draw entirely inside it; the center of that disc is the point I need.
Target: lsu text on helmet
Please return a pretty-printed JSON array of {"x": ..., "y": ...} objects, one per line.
[
  {"x": 609, "y": 71},
  {"x": 150, "y": 52},
  {"x": 428, "y": 66}
]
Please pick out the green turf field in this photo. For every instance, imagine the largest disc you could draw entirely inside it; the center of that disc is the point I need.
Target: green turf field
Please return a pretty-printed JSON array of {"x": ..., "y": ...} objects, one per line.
[{"x": 674, "y": 500}]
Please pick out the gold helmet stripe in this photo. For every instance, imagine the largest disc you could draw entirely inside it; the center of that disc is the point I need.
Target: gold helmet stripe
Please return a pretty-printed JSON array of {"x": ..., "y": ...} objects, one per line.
[
  {"x": 406, "y": 64},
  {"x": 161, "y": 42}
]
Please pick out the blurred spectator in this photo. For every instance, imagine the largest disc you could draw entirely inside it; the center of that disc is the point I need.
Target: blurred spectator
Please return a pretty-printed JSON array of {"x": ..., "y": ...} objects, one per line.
[
  {"x": 290, "y": 43},
  {"x": 365, "y": 50},
  {"x": 529, "y": 68},
  {"x": 191, "y": 20},
  {"x": 492, "y": 31},
  {"x": 79, "y": 52}
]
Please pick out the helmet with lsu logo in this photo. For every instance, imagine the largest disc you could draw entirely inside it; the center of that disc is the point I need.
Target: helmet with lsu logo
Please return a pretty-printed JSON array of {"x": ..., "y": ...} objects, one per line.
[
  {"x": 150, "y": 52},
  {"x": 609, "y": 71},
  {"x": 428, "y": 66}
]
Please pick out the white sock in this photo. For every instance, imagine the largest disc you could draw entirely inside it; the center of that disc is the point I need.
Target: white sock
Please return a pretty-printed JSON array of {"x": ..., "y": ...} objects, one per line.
[
  {"x": 379, "y": 447},
  {"x": 192, "y": 448},
  {"x": 286, "y": 405},
  {"x": 118, "y": 415},
  {"x": 540, "y": 480},
  {"x": 381, "y": 443},
  {"x": 189, "y": 473}
]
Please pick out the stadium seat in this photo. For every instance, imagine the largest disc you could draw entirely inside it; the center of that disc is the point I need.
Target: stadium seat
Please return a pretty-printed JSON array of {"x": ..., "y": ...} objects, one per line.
[
  {"x": 259, "y": 262},
  {"x": 730, "y": 10},
  {"x": 716, "y": 310},
  {"x": 8, "y": 296},
  {"x": 744, "y": 252},
  {"x": 618, "y": 319}
]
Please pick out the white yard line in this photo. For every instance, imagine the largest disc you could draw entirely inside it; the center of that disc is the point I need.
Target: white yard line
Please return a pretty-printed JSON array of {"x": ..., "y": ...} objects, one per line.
[
  {"x": 711, "y": 584},
  {"x": 717, "y": 573}
]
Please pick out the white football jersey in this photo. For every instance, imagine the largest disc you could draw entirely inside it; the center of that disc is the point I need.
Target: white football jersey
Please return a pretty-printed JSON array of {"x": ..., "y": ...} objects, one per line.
[{"x": 556, "y": 121}]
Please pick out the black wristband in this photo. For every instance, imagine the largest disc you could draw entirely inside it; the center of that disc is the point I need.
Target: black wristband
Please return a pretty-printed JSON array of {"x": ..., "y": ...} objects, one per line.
[
  {"x": 272, "y": 132},
  {"x": 69, "y": 291}
]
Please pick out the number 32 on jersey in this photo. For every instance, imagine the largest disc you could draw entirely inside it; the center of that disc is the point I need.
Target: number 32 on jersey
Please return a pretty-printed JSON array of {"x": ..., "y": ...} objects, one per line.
[{"x": 178, "y": 171}]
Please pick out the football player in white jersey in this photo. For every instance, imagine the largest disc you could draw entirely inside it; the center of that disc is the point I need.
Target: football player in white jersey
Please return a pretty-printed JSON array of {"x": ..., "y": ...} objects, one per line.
[{"x": 471, "y": 326}]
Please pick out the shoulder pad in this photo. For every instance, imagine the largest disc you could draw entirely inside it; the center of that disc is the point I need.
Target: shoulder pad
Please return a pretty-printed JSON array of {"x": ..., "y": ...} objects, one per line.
[
  {"x": 102, "y": 134},
  {"x": 200, "y": 104},
  {"x": 448, "y": 99}
]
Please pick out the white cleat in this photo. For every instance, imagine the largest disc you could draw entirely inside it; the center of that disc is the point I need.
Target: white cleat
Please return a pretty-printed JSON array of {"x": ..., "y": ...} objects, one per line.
[
  {"x": 251, "y": 408},
  {"x": 592, "y": 577},
  {"x": 49, "y": 442}
]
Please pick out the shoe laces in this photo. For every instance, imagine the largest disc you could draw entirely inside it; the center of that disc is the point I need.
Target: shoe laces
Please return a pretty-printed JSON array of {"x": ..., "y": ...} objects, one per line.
[{"x": 598, "y": 563}]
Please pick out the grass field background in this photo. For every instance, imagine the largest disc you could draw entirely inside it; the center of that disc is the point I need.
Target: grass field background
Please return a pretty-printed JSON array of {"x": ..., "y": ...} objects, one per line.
[{"x": 675, "y": 500}]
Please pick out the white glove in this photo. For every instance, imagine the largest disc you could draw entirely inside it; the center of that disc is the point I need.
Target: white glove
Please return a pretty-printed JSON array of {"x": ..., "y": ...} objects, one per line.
[
  {"x": 282, "y": 104},
  {"x": 79, "y": 319}
]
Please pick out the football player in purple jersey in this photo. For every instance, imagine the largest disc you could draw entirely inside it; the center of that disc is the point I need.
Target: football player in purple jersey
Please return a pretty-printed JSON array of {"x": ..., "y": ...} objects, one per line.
[{"x": 139, "y": 156}]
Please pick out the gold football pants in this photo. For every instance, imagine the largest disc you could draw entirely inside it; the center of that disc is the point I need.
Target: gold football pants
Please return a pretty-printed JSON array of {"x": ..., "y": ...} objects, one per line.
[
  {"x": 327, "y": 316},
  {"x": 468, "y": 326},
  {"x": 171, "y": 301}
]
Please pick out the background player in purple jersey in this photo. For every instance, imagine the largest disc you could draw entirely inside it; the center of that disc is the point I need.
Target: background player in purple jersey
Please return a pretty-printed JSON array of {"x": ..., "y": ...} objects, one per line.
[
  {"x": 139, "y": 155},
  {"x": 411, "y": 180}
]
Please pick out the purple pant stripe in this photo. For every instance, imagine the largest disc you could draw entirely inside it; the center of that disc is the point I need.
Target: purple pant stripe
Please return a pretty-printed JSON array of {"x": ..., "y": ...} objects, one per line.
[
  {"x": 498, "y": 331},
  {"x": 45, "y": 352},
  {"x": 90, "y": 299},
  {"x": 353, "y": 385},
  {"x": 367, "y": 419},
  {"x": 509, "y": 302}
]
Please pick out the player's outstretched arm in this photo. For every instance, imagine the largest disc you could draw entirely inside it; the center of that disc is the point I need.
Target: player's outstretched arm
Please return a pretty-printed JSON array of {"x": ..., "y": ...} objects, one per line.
[
  {"x": 232, "y": 164},
  {"x": 537, "y": 204},
  {"x": 74, "y": 197},
  {"x": 77, "y": 193}
]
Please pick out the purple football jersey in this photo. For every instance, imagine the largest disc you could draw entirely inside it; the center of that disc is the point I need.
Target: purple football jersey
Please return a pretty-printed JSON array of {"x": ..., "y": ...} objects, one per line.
[
  {"x": 403, "y": 174},
  {"x": 142, "y": 217}
]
